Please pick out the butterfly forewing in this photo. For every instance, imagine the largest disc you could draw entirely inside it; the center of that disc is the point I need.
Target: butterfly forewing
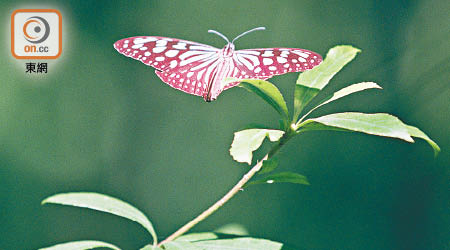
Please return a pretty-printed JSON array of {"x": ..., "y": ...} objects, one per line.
[
  {"x": 182, "y": 64},
  {"x": 265, "y": 63}
]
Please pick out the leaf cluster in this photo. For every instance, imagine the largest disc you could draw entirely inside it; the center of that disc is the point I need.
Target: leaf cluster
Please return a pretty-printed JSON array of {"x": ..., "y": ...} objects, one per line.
[{"x": 308, "y": 86}]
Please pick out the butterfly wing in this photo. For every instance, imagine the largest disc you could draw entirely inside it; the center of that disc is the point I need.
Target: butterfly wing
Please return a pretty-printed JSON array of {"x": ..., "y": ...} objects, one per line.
[
  {"x": 265, "y": 63},
  {"x": 182, "y": 64}
]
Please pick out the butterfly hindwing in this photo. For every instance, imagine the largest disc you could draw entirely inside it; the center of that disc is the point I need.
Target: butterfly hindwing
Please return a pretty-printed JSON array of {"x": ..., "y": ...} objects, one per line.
[{"x": 193, "y": 81}]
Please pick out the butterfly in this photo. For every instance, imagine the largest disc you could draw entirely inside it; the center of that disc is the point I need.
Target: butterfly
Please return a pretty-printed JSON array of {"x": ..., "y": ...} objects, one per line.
[{"x": 200, "y": 69}]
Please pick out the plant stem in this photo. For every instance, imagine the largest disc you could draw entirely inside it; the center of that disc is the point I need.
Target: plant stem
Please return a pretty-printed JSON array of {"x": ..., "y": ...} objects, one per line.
[
  {"x": 232, "y": 191},
  {"x": 216, "y": 205}
]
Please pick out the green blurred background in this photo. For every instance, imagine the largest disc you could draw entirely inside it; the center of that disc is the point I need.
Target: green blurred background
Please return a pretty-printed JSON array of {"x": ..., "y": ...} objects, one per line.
[{"x": 99, "y": 121}]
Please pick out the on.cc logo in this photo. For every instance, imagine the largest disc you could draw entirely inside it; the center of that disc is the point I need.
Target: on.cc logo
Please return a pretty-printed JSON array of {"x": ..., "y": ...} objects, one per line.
[
  {"x": 36, "y": 34},
  {"x": 36, "y": 29}
]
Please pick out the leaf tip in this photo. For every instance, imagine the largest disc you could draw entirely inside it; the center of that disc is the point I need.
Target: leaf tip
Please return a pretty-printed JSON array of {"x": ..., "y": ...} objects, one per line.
[
  {"x": 346, "y": 46},
  {"x": 47, "y": 200},
  {"x": 375, "y": 85}
]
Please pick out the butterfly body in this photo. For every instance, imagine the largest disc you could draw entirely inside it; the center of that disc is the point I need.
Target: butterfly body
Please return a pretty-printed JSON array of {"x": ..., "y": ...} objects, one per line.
[
  {"x": 223, "y": 69},
  {"x": 200, "y": 69}
]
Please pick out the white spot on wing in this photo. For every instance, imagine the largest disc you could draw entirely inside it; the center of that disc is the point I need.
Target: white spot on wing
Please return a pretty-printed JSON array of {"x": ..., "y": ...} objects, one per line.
[
  {"x": 190, "y": 74},
  {"x": 140, "y": 40},
  {"x": 180, "y": 45},
  {"x": 171, "y": 53},
  {"x": 281, "y": 59},
  {"x": 300, "y": 53},
  {"x": 160, "y": 58},
  {"x": 267, "y": 53},
  {"x": 284, "y": 53},
  {"x": 137, "y": 46},
  {"x": 160, "y": 43},
  {"x": 267, "y": 61},
  {"x": 147, "y": 53},
  {"x": 173, "y": 64},
  {"x": 200, "y": 73},
  {"x": 273, "y": 68},
  {"x": 158, "y": 49}
]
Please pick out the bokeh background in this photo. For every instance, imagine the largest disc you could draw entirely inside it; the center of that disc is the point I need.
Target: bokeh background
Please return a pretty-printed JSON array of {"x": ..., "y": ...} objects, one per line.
[{"x": 102, "y": 122}]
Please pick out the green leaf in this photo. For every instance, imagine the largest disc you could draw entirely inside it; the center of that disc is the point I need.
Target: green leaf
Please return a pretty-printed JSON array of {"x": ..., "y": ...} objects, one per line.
[
  {"x": 106, "y": 204},
  {"x": 181, "y": 245},
  {"x": 282, "y": 177},
  {"x": 244, "y": 243},
  {"x": 336, "y": 59},
  {"x": 232, "y": 229},
  {"x": 249, "y": 140},
  {"x": 268, "y": 92},
  {"x": 375, "y": 124},
  {"x": 150, "y": 247},
  {"x": 413, "y": 131},
  {"x": 302, "y": 96},
  {"x": 344, "y": 92},
  {"x": 283, "y": 124},
  {"x": 198, "y": 236},
  {"x": 268, "y": 166},
  {"x": 81, "y": 245},
  {"x": 216, "y": 241},
  {"x": 310, "y": 82}
]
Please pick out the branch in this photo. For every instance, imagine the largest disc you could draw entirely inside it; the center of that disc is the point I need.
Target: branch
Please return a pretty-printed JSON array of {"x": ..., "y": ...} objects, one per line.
[
  {"x": 232, "y": 191},
  {"x": 216, "y": 205}
]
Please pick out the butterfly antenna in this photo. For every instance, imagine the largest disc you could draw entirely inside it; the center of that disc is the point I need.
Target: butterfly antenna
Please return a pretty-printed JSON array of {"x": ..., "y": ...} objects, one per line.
[
  {"x": 248, "y": 31},
  {"x": 219, "y": 34}
]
